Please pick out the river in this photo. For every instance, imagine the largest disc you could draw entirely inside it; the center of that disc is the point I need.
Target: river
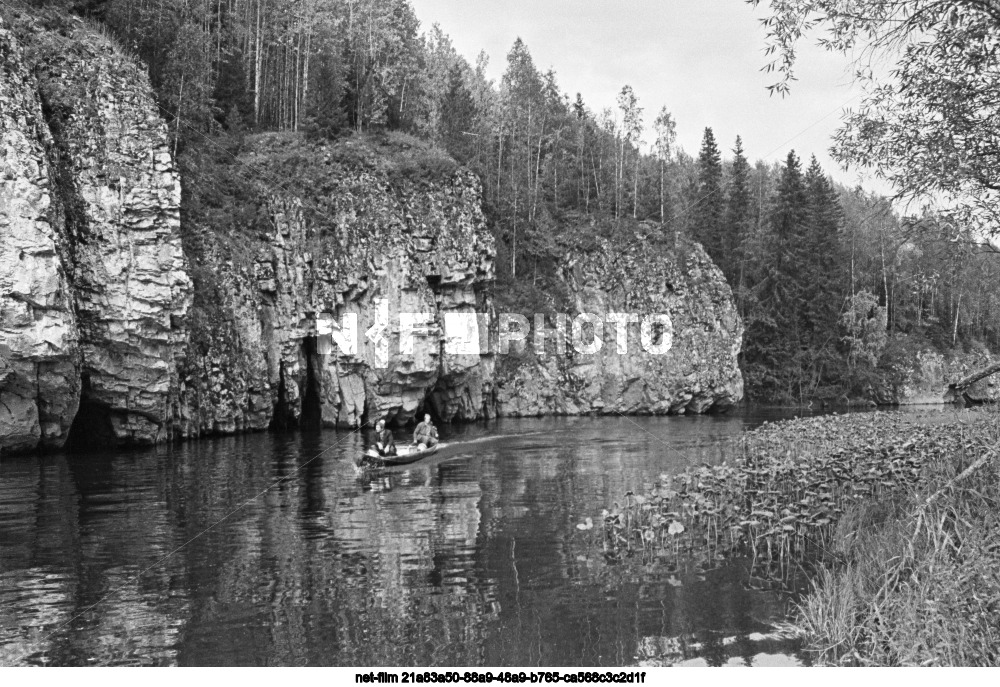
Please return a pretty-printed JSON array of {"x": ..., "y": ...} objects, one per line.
[{"x": 271, "y": 549}]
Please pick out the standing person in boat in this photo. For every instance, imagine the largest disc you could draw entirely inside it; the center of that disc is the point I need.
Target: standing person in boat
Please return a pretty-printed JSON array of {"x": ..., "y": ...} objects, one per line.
[
  {"x": 381, "y": 440},
  {"x": 426, "y": 434}
]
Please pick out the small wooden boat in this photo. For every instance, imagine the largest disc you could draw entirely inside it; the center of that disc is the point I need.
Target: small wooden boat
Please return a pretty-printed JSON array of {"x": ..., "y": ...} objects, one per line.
[{"x": 404, "y": 455}]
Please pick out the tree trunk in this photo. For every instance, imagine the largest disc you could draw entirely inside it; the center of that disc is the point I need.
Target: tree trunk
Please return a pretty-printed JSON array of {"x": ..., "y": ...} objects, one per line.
[
  {"x": 499, "y": 161},
  {"x": 218, "y": 39},
  {"x": 885, "y": 280},
  {"x": 538, "y": 174},
  {"x": 663, "y": 213},
  {"x": 619, "y": 174},
  {"x": 635, "y": 187},
  {"x": 180, "y": 105},
  {"x": 305, "y": 72},
  {"x": 256, "y": 68},
  {"x": 402, "y": 101},
  {"x": 513, "y": 189},
  {"x": 954, "y": 331},
  {"x": 296, "y": 82},
  {"x": 968, "y": 381}
]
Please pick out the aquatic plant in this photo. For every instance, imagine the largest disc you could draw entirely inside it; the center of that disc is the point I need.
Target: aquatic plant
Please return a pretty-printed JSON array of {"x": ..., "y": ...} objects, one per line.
[
  {"x": 780, "y": 503},
  {"x": 918, "y": 582}
]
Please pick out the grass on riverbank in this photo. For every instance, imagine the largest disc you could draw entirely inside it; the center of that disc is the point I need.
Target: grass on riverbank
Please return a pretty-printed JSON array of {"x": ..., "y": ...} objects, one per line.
[
  {"x": 919, "y": 577},
  {"x": 781, "y": 501}
]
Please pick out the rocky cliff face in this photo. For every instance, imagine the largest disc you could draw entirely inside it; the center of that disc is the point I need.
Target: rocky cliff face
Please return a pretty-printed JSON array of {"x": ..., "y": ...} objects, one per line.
[
  {"x": 39, "y": 350},
  {"x": 96, "y": 287},
  {"x": 117, "y": 327},
  {"x": 131, "y": 315},
  {"x": 347, "y": 235},
  {"x": 699, "y": 370},
  {"x": 121, "y": 199}
]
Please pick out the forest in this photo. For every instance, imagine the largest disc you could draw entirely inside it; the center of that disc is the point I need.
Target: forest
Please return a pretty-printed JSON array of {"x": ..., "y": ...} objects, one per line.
[{"x": 835, "y": 285}]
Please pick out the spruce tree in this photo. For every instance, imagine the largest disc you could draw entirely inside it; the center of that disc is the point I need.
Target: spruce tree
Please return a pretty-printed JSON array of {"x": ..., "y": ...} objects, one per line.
[
  {"x": 710, "y": 203},
  {"x": 738, "y": 220},
  {"x": 822, "y": 294},
  {"x": 458, "y": 112},
  {"x": 788, "y": 220},
  {"x": 775, "y": 349}
]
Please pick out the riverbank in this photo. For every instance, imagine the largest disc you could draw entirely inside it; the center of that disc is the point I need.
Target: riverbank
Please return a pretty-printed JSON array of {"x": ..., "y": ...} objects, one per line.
[
  {"x": 886, "y": 523},
  {"x": 917, "y": 580}
]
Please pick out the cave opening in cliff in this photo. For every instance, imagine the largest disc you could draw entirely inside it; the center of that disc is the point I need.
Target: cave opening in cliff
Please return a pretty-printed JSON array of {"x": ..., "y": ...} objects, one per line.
[
  {"x": 312, "y": 412},
  {"x": 309, "y": 413},
  {"x": 91, "y": 429},
  {"x": 430, "y": 406},
  {"x": 282, "y": 419}
]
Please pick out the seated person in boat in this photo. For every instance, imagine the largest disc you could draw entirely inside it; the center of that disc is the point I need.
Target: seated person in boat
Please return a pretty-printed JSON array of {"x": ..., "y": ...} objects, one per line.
[
  {"x": 426, "y": 434},
  {"x": 381, "y": 440}
]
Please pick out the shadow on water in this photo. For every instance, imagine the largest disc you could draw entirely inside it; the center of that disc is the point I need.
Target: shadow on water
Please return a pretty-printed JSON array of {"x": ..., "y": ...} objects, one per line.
[{"x": 269, "y": 550}]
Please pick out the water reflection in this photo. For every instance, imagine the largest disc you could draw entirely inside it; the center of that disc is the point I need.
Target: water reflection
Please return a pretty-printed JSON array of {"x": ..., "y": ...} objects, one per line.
[{"x": 270, "y": 550}]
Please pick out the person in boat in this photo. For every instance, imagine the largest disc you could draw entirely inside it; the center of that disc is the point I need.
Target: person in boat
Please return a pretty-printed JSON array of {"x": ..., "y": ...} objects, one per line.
[
  {"x": 426, "y": 434},
  {"x": 381, "y": 440}
]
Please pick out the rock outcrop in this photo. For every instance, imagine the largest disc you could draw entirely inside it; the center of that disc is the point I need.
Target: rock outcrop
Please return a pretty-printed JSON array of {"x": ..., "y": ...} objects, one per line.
[
  {"x": 130, "y": 315},
  {"x": 348, "y": 234},
  {"x": 121, "y": 198},
  {"x": 39, "y": 359},
  {"x": 699, "y": 370},
  {"x": 95, "y": 290}
]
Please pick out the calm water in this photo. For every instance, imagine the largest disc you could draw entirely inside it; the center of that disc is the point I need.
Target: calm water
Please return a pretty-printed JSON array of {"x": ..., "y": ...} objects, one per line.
[{"x": 271, "y": 550}]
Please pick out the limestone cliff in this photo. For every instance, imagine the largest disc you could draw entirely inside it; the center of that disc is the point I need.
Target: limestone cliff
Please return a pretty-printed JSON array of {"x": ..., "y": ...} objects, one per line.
[
  {"x": 39, "y": 360},
  {"x": 120, "y": 196},
  {"x": 698, "y": 372},
  {"x": 95, "y": 287},
  {"x": 118, "y": 326},
  {"x": 130, "y": 314},
  {"x": 338, "y": 228}
]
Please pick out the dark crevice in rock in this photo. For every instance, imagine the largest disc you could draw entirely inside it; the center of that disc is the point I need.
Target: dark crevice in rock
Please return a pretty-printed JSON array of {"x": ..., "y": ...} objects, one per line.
[
  {"x": 283, "y": 418},
  {"x": 67, "y": 203},
  {"x": 429, "y": 406},
  {"x": 312, "y": 412},
  {"x": 92, "y": 429}
]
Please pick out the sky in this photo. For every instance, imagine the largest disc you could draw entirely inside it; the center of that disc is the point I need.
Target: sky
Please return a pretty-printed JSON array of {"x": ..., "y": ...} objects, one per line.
[{"x": 700, "y": 58}]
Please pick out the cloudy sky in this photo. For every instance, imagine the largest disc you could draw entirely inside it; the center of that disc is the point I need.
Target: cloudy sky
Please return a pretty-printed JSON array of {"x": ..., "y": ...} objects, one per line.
[{"x": 700, "y": 58}]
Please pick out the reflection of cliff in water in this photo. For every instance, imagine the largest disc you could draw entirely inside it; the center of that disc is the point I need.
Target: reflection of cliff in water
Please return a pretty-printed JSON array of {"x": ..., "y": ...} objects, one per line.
[
  {"x": 75, "y": 535},
  {"x": 349, "y": 573}
]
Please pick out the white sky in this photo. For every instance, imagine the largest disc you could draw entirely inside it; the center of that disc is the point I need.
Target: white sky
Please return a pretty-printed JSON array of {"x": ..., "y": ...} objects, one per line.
[{"x": 700, "y": 58}]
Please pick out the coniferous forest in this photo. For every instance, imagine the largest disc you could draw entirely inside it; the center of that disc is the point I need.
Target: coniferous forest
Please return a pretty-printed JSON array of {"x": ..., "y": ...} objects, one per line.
[{"x": 835, "y": 286}]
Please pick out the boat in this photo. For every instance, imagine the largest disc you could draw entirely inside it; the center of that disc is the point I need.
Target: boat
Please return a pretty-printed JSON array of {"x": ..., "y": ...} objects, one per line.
[{"x": 404, "y": 455}]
